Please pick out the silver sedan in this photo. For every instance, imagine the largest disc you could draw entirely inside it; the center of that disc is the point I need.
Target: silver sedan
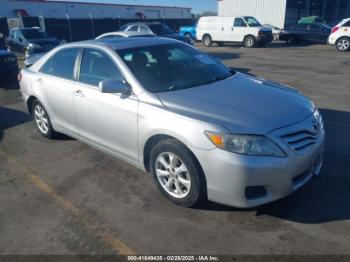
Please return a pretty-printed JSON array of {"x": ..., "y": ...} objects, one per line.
[{"x": 202, "y": 130}]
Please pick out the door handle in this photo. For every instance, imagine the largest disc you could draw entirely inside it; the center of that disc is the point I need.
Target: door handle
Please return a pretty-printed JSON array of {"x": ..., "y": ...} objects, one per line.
[{"x": 79, "y": 93}]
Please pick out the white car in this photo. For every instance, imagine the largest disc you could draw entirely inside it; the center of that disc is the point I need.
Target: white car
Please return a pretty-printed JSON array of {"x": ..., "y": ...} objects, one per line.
[
  {"x": 340, "y": 36},
  {"x": 240, "y": 29},
  {"x": 125, "y": 34}
]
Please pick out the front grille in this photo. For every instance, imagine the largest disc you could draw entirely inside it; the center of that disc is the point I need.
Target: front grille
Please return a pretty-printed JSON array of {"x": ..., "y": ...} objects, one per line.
[{"x": 299, "y": 141}]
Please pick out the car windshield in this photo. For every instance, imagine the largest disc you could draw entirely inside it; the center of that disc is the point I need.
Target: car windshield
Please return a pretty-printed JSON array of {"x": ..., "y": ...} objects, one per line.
[
  {"x": 33, "y": 34},
  {"x": 160, "y": 29},
  {"x": 251, "y": 21},
  {"x": 170, "y": 67}
]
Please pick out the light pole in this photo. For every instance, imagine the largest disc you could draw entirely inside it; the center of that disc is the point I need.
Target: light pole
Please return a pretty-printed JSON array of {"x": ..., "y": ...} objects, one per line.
[
  {"x": 69, "y": 28},
  {"x": 92, "y": 25}
]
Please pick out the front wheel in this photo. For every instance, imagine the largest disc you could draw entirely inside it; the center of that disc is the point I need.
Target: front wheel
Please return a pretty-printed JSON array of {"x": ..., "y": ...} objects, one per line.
[
  {"x": 42, "y": 120},
  {"x": 177, "y": 173},
  {"x": 343, "y": 44},
  {"x": 249, "y": 41}
]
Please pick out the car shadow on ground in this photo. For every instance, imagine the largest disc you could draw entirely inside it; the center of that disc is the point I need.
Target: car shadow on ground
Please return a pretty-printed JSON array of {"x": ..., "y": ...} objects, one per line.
[
  {"x": 224, "y": 55},
  {"x": 325, "y": 198},
  {"x": 10, "y": 118}
]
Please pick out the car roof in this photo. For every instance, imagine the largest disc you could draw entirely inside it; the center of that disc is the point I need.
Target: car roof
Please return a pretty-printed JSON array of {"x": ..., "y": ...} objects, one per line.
[
  {"x": 142, "y": 23},
  {"x": 126, "y": 34},
  {"x": 125, "y": 42}
]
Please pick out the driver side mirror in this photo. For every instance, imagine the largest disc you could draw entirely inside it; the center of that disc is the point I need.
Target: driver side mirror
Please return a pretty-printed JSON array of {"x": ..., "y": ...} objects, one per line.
[{"x": 114, "y": 86}]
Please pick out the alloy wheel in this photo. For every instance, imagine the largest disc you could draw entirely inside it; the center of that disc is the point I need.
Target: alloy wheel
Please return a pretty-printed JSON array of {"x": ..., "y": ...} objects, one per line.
[
  {"x": 41, "y": 119},
  {"x": 343, "y": 44},
  {"x": 173, "y": 175}
]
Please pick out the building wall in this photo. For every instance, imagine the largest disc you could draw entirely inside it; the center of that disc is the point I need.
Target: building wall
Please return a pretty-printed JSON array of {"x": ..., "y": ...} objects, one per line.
[
  {"x": 266, "y": 11},
  {"x": 83, "y": 10}
]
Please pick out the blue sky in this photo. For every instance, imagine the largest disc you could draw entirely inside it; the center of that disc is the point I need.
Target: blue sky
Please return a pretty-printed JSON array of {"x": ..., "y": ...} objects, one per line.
[{"x": 198, "y": 6}]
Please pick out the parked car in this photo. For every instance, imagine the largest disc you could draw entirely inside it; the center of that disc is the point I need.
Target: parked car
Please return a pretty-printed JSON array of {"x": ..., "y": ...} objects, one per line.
[
  {"x": 29, "y": 41},
  {"x": 340, "y": 36},
  {"x": 2, "y": 41},
  {"x": 156, "y": 28},
  {"x": 275, "y": 31},
  {"x": 189, "y": 31},
  {"x": 125, "y": 34},
  {"x": 243, "y": 29},
  {"x": 313, "y": 33},
  {"x": 8, "y": 65},
  {"x": 212, "y": 133}
]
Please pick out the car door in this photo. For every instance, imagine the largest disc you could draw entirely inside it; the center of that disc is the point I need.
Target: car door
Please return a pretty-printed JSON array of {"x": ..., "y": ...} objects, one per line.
[
  {"x": 236, "y": 31},
  {"x": 56, "y": 84},
  {"x": 106, "y": 120},
  {"x": 315, "y": 33}
]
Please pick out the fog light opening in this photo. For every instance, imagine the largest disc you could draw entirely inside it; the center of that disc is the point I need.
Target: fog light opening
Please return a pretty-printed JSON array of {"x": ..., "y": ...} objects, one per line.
[{"x": 255, "y": 192}]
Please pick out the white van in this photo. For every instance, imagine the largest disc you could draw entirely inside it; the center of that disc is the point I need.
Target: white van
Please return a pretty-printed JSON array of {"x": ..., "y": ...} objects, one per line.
[{"x": 240, "y": 29}]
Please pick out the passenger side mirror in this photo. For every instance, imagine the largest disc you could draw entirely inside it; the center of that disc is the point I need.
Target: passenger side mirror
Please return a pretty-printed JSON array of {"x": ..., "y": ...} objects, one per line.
[{"x": 114, "y": 86}]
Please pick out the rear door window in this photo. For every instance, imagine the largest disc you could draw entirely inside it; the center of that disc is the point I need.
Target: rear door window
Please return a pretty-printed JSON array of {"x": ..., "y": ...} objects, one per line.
[
  {"x": 134, "y": 28},
  {"x": 61, "y": 64}
]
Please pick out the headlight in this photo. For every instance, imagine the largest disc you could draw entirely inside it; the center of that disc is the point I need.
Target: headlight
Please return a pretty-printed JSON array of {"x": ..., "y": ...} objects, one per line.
[
  {"x": 35, "y": 46},
  {"x": 246, "y": 144}
]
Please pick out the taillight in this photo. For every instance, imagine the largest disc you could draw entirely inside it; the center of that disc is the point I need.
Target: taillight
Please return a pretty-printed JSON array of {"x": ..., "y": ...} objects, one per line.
[
  {"x": 335, "y": 29},
  {"x": 19, "y": 77}
]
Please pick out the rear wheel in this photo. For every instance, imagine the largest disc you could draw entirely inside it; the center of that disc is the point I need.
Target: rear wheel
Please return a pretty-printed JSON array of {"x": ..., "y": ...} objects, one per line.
[
  {"x": 343, "y": 44},
  {"x": 207, "y": 40},
  {"x": 249, "y": 41},
  {"x": 42, "y": 120},
  {"x": 177, "y": 173}
]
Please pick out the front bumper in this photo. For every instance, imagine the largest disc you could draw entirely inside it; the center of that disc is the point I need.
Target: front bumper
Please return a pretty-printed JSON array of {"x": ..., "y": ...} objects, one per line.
[
  {"x": 332, "y": 40},
  {"x": 230, "y": 177},
  {"x": 264, "y": 39}
]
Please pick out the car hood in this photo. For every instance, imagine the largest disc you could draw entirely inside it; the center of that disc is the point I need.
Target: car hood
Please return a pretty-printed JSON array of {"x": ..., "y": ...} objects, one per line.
[
  {"x": 242, "y": 104},
  {"x": 5, "y": 53},
  {"x": 44, "y": 41}
]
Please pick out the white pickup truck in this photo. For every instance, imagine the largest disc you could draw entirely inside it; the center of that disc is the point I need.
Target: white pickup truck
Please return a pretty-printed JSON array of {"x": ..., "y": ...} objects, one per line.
[{"x": 240, "y": 29}]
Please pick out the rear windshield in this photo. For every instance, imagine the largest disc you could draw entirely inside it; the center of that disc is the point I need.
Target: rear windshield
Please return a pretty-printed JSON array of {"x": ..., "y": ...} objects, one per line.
[{"x": 161, "y": 29}]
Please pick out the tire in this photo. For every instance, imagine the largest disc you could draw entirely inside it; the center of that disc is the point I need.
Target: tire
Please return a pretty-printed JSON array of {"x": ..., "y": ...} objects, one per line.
[
  {"x": 183, "y": 186},
  {"x": 207, "y": 40},
  {"x": 343, "y": 44},
  {"x": 188, "y": 35},
  {"x": 42, "y": 120},
  {"x": 220, "y": 43},
  {"x": 249, "y": 41}
]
